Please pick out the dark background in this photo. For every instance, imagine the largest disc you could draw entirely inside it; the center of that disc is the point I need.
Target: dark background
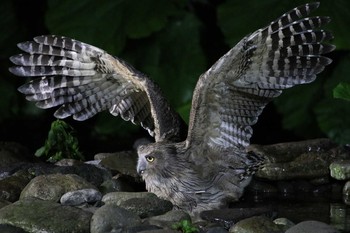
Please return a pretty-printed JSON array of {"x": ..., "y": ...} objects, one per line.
[{"x": 172, "y": 41}]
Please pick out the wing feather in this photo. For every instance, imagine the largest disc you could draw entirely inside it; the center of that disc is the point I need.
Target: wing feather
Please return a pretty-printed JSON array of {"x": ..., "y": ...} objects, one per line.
[
  {"x": 231, "y": 95},
  {"x": 84, "y": 80}
]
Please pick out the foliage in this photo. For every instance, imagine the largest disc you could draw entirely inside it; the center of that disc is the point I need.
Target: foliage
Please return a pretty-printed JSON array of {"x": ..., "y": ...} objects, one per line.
[
  {"x": 173, "y": 42},
  {"x": 185, "y": 226},
  {"x": 342, "y": 91},
  {"x": 60, "y": 143}
]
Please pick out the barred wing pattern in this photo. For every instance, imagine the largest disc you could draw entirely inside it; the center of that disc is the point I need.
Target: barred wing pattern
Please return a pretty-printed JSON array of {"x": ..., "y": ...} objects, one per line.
[
  {"x": 85, "y": 80},
  {"x": 231, "y": 95}
]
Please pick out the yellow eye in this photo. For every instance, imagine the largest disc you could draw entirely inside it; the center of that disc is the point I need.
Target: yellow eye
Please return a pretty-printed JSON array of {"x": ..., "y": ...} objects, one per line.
[{"x": 149, "y": 158}]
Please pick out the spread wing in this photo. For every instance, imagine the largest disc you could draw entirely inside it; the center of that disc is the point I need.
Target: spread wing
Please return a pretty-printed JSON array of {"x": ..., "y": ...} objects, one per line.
[
  {"x": 230, "y": 96},
  {"x": 84, "y": 80}
]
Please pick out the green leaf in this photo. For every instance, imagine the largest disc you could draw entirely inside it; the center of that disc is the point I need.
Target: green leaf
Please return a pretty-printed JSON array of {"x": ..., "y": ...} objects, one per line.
[
  {"x": 333, "y": 118},
  {"x": 342, "y": 91}
]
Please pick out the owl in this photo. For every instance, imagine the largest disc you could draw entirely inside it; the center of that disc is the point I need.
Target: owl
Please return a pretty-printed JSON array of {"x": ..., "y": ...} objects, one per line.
[{"x": 205, "y": 165}]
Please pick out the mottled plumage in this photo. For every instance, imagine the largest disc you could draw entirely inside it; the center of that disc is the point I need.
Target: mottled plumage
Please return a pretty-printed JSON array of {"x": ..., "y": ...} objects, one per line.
[{"x": 210, "y": 166}]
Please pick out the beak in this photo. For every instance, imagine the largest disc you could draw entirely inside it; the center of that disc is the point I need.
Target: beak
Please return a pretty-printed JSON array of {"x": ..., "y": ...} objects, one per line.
[
  {"x": 140, "y": 171},
  {"x": 141, "y": 167}
]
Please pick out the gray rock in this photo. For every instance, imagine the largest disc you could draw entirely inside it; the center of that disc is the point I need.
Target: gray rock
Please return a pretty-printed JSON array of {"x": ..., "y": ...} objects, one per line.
[
  {"x": 118, "y": 184},
  {"x": 144, "y": 204},
  {"x": 299, "y": 160},
  {"x": 312, "y": 227},
  {"x": 168, "y": 219},
  {"x": 11, "y": 187},
  {"x": 4, "y": 203},
  {"x": 216, "y": 230},
  {"x": 35, "y": 215},
  {"x": 159, "y": 231},
  {"x": 284, "y": 223},
  {"x": 52, "y": 187},
  {"x": 256, "y": 224},
  {"x": 147, "y": 207},
  {"x": 228, "y": 217},
  {"x": 119, "y": 197},
  {"x": 81, "y": 196},
  {"x": 340, "y": 170},
  {"x": 339, "y": 216},
  {"x": 4, "y": 228},
  {"x": 112, "y": 218},
  {"x": 121, "y": 162}
]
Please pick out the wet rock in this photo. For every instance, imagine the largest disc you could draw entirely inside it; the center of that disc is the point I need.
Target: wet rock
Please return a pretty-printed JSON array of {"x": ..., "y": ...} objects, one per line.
[
  {"x": 284, "y": 223},
  {"x": 228, "y": 217},
  {"x": 346, "y": 190},
  {"x": 52, "y": 187},
  {"x": 216, "y": 230},
  {"x": 4, "y": 203},
  {"x": 119, "y": 197},
  {"x": 81, "y": 196},
  {"x": 312, "y": 227},
  {"x": 5, "y": 228},
  {"x": 29, "y": 214},
  {"x": 168, "y": 219},
  {"x": 159, "y": 231},
  {"x": 112, "y": 218},
  {"x": 340, "y": 170},
  {"x": 68, "y": 162},
  {"x": 299, "y": 160},
  {"x": 147, "y": 206},
  {"x": 11, "y": 187},
  {"x": 120, "y": 163},
  {"x": 339, "y": 216},
  {"x": 142, "y": 228},
  {"x": 118, "y": 184},
  {"x": 306, "y": 166},
  {"x": 12, "y": 153},
  {"x": 91, "y": 173},
  {"x": 256, "y": 224}
]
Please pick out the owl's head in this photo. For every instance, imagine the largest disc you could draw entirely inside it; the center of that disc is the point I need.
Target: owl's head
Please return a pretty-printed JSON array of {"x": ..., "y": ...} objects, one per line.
[{"x": 155, "y": 158}]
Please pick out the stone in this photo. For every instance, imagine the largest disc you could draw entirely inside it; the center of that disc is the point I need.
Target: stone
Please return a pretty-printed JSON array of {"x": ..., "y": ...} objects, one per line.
[
  {"x": 340, "y": 170},
  {"x": 159, "y": 231},
  {"x": 52, "y": 187},
  {"x": 147, "y": 206},
  {"x": 112, "y": 218},
  {"x": 168, "y": 219},
  {"x": 5, "y": 228},
  {"x": 256, "y": 224},
  {"x": 118, "y": 184},
  {"x": 119, "y": 197},
  {"x": 312, "y": 227},
  {"x": 299, "y": 160},
  {"x": 35, "y": 215},
  {"x": 124, "y": 162},
  {"x": 284, "y": 223},
  {"x": 81, "y": 196},
  {"x": 228, "y": 217},
  {"x": 216, "y": 230},
  {"x": 11, "y": 187},
  {"x": 4, "y": 203}
]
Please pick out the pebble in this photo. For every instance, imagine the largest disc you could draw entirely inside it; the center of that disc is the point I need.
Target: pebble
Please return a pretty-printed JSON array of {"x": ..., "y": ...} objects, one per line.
[
  {"x": 112, "y": 218},
  {"x": 109, "y": 198},
  {"x": 52, "y": 187},
  {"x": 81, "y": 196},
  {"x": 340, "y": 170}
]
